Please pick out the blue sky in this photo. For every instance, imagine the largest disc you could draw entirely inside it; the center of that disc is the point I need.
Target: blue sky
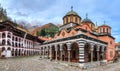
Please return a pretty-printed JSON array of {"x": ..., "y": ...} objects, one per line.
[{"x": 45, "y": 11}]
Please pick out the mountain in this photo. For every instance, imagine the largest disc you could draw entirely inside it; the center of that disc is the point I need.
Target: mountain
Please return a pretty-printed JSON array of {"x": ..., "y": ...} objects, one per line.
[{"x": 47, "y": 30}]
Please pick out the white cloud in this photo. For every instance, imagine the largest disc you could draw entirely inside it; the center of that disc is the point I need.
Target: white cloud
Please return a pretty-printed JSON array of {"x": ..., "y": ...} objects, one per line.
[{"x": 44, "y": 11}]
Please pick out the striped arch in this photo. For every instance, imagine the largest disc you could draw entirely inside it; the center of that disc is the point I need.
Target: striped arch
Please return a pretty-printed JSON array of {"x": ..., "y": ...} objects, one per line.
[
  {"x": 87, "y": 52},
  {"x": 74, "y": 52},
  {"x": 65, "y": 53},
  {"x": 95, "y": 52}
]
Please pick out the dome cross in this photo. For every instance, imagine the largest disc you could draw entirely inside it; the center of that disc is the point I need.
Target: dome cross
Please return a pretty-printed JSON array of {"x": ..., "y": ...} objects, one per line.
[
  {"x": 86, "y": 15},
  {"x": 71, "y": 8}
]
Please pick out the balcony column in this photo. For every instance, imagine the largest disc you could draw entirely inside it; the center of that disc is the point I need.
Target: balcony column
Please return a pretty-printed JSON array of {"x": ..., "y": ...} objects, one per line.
[
  {"x": 103, "y": 53},
  {"x": 0, "y": 38},
  {"x": 50, "y": 55},
  {"x": 61, "y": 51},
  {"x": 98, "y": 54},
  {"x": 68, "y": 48},
  {"x": 56, "y": 49},
  {"x": 43, "y": 52},
  {"x": 47, "y": 50},
  {"x": 92, "y": 48},
  {"x": 6, "y": 34}
]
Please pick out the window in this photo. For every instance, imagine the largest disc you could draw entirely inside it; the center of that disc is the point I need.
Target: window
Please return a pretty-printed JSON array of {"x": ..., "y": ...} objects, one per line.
[
  {"x": 107, "y": 30},
  {"x": 111, "y": 54},
  {"x": 72, "y": 33},
  {"x": 75, "y": 19},
  {"x": 71, "y": 19},
  {"x": 74, "y": 54},
  {"x": 66, "y": 19},
  {"x": 86, "y": 28},
  {"x": 103, "y": 30},
  {"x": 110, "y": 42},
  {"x": 3, "y": 35},
  {"x": 63, "y": 34}
]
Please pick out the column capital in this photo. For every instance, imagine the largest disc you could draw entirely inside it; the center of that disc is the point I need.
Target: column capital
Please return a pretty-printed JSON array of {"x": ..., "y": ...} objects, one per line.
[
  {"x": 103, "y": 47},
  {"x": 50, "y": 46},
  {"x": 92, "y": 48},
  {"x": 68, "y": 45},
  {"x": 61, "y": 48},
  {"x": 92, "y": 44},
  {"x": 98, "y": 48},
  {"x": 56, "y": 47}
]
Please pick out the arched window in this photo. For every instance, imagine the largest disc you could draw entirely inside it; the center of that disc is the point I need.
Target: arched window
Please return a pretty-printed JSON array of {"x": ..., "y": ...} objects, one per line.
[
  {"x": 3, "y": 48},
  {"x": 66, "y": 19},
  {"x": 9, "y": 35},
  {"x": 86, "y": 28},
  {"x": 16, "y": 39},
  {"x": 3, "y": 35},
  {"x": 71, "y": 19},
  {"x": 103, "y": 30},
  {"x": 8, "y": 48},
  {"x": 107, "y": 30},
  {"x": 100, "y": 30},
  {"x": 13, "y": 38},
  {"x": 75, "y": 19},
  {"x": 13, "y": 44},
  {"x": 3, "y": 42},
  {"x": 63, "y": 34},
  {"x": 8, "y": 41}
]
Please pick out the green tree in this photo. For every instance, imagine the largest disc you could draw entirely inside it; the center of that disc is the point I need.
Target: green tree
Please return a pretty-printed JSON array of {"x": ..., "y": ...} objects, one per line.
[
  {"x": 3, "y": 14},
  {"x": 48, "y": 32},
  {"x": 42, "y": 32}
]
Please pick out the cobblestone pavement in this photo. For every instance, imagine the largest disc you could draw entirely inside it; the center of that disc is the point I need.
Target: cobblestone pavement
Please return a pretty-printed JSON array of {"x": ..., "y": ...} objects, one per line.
[{"x": 35, "y": 64}]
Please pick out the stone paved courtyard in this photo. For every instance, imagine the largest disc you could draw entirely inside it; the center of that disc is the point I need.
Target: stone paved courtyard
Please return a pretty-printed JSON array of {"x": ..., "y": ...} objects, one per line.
[{"x": 33, "y": 63}]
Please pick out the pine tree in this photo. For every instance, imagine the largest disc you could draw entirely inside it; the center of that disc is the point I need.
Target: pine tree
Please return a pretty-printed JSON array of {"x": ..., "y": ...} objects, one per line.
[{"x": 3, "y": 14}]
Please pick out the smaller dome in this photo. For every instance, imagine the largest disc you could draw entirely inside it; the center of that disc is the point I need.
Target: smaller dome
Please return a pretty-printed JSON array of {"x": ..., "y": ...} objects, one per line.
[
  {"x": 105, "y": 25},
  {"x": 72, "y": 13},
  {"x": 87, "y": 20}
]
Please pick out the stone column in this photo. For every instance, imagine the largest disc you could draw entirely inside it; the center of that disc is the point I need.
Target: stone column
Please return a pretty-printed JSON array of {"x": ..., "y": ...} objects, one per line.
[
  {"x": 50, "y": 52},
  {"x": 0, "y": 38},
  {"x": 98, "y": 54},
  {"x": 14, "y": 52},
  {"x": 103, "y": 52},
  {"x": 18, "y": 52},
  {"x": 56, "y": 48},
  {"x": 47, "y": 52},
  {"x": 69, "y": 48},
  {"x": 92, "y": 48},
  {"x": 6, "y": 34},
  {"x": 81, "y": 44},
  {"x": 14, "y": 41},
  {"x": 61, "y": 51},
  {"x": 43, "y": 52}
]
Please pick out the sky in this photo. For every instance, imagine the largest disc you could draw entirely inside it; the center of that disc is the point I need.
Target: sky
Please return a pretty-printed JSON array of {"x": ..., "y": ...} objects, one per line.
[{"x": 40, "y": 12}]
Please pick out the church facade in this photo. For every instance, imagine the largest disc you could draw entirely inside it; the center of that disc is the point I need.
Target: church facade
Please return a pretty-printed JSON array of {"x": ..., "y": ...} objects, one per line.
[
  {"x": 80, "y": 41},
  {"x": 16, "y": 41}
]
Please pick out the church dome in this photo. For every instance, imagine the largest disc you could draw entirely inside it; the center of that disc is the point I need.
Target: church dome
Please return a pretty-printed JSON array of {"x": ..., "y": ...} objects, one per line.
[
  {"x": 71, "y": 13},
  {"x": 87, "y": 20},
  {"x": 71, "y": 17}
]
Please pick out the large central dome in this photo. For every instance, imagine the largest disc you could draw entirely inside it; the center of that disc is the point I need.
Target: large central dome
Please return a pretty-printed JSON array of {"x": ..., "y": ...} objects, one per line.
[
  {"x": 71, "y": 13},
  {"x": 71, "y": 17}
]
